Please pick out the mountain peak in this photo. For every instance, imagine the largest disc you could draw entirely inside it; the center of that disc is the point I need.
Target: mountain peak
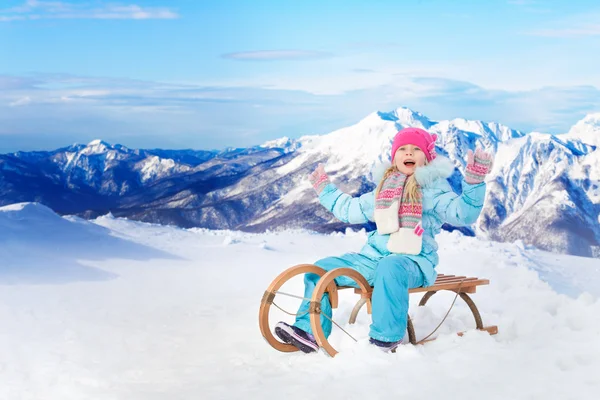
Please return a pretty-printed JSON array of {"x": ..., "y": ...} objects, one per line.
[
  {"x": 406, "y": 117},
  {"x": 592, "y": 119},
  {"x": 98, "y": 142},
  {"x": 282, "y": 143},
  {"x": 587, "y": 129},
  {"x": 97, "y": 146}
]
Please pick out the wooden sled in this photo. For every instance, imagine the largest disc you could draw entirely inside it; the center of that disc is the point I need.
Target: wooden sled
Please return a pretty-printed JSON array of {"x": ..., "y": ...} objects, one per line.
[{"x": 459, "y": 284}]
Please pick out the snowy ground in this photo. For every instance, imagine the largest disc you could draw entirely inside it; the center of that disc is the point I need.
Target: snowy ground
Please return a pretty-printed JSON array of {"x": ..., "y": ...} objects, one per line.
[{"x": 122, "y": 310}]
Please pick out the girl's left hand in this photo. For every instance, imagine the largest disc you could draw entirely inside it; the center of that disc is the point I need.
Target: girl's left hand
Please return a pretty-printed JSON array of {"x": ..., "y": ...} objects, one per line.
[{"x": 478, "y": 166}]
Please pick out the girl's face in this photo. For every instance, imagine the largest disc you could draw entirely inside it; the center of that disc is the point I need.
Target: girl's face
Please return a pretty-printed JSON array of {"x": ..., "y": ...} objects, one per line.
[{"x": 408, "y": 158}]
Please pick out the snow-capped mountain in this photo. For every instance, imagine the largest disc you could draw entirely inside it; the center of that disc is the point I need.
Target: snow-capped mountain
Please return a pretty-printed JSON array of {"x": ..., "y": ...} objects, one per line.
[
  {"x": 543, "y": 189},
  {"x": 587, "y": 130}
]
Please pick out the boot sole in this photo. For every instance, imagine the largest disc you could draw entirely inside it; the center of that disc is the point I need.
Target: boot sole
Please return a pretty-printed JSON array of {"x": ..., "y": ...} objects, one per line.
[
  {"x": 391, "y": 349},
  {"x": 290, "y": 338}
]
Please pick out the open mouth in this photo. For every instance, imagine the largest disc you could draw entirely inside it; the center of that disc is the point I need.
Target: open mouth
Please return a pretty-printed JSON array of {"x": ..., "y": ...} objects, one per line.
[{"x": 409, "y": 163}]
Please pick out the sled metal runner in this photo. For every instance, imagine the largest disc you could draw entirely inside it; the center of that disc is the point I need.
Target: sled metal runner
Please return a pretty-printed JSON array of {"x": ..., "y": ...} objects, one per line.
[{"x": 461, "y": 285}]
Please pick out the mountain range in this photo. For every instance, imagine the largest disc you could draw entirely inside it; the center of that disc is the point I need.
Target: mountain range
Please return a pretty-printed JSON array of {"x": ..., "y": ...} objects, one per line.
[{"x": 543, "y": 189}]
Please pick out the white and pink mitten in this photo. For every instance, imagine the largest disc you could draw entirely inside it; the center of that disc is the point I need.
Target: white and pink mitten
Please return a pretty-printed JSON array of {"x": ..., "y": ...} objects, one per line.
[{"x": 478, "y": 166}]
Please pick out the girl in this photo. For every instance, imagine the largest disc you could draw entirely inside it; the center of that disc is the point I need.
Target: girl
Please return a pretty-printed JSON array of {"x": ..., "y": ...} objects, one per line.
[{"x": 409, "y": 206}]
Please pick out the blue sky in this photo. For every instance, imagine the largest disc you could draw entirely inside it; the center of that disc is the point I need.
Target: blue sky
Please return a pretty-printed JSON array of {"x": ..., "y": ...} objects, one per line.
[{"x": 212, "y": 74}]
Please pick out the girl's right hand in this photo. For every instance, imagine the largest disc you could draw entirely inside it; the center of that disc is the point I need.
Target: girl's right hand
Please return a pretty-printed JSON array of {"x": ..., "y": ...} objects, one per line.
[
  {"x": 320, "y": 170},
  {"x": 318, "y": 178}
]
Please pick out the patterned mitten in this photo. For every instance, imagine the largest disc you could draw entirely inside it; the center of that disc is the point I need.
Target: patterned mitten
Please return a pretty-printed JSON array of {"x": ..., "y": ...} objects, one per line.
[
  {"x": 319, "y": 179},
  {"x": 478, "y": 166}
]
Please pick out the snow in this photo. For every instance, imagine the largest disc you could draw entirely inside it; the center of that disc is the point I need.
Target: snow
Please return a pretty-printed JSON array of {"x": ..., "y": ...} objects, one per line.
[
  {"x": 479, "y": 128},
  {"x": 154, "y": 167},
  {"x": 113, "y": 309},
  {"x": 586, "y": 130},
  {"x": 405, "y": 117},
  {"x": 282, "y": 143},
  {"x": 96, "y": 146}
]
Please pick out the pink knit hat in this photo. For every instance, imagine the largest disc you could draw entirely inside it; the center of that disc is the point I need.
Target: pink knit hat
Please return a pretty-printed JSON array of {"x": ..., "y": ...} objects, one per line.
[{"x": 417, "y": 137}]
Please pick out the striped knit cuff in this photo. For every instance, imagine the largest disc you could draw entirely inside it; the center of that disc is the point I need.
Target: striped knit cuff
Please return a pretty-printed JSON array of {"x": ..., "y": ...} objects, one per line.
[
  {"x": 320, "y": 183},
  {"x": 476, "y": 172}
]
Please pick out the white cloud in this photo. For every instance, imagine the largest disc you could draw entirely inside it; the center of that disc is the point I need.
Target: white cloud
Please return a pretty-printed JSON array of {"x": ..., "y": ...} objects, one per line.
[
  {"x": 187, "y": 115},
  {"x": 271, "y": 55},
  {"x": 577, "y": 25},
  {"x": 4, "y": 18},
  {"x": 34, "y": 9},
  {"x": 20, "y": 102}
]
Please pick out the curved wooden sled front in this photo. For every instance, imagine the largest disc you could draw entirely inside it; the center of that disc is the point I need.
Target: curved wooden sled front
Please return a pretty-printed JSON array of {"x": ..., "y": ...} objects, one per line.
[
  {"x": 315, "y": 304},
  {"x": 269, "y": 296}
]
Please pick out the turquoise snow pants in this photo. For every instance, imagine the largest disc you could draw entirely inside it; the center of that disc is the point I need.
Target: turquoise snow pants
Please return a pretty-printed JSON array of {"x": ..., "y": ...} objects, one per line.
[{"x": 390, "y": 276}]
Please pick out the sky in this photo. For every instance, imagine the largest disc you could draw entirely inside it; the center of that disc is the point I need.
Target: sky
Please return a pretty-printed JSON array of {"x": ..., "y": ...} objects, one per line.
[{"x": 214, "y": 74}]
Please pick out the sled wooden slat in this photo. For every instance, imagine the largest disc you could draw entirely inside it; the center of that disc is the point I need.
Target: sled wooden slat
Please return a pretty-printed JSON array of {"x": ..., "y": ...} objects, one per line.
[
  {"x": 443, "y": 282},
  {"x": 449, "y": 278},
  {"x": 468, "y": 285}
]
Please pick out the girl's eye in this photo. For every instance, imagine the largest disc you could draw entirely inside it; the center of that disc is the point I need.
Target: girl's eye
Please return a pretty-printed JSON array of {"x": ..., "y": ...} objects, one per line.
[{"x": 417, "y": 149}]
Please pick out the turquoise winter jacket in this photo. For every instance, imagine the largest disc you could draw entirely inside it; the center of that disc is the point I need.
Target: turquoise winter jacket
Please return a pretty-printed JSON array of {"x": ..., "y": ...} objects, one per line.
[{"x": 440, "y": 204}]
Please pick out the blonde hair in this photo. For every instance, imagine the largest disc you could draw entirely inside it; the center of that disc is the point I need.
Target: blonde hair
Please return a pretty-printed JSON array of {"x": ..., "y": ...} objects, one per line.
[{"x": 411, "y": 187}]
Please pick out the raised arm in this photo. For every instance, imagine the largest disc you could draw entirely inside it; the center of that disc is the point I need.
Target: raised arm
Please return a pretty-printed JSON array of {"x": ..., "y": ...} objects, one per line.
[
  {"x": 348, "y": 209},
  {"x": 464, "y": 209}
]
